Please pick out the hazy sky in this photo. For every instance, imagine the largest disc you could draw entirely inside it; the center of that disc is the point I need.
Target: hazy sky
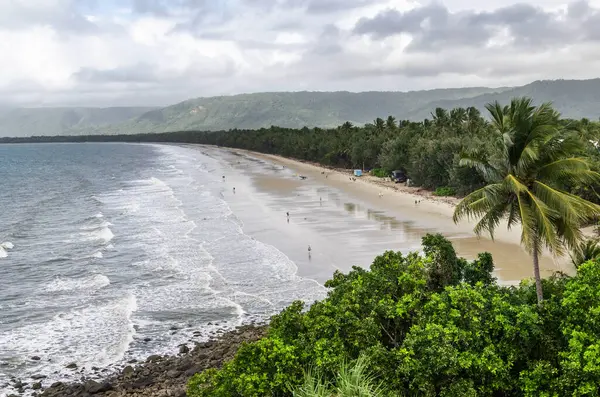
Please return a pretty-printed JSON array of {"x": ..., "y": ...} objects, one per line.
[{"x": 154, "y": 52}]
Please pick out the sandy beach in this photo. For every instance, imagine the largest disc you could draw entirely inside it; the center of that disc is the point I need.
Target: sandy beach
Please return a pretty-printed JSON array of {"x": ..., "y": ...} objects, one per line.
[{"x": 348, "y": 222}]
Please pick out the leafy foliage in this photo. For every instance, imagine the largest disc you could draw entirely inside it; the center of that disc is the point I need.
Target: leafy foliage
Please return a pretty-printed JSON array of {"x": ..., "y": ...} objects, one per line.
[
  {"x": 433, "y": 325},
  {"x": 444, "y": 191},
  {"x": 380, "y": 172}
]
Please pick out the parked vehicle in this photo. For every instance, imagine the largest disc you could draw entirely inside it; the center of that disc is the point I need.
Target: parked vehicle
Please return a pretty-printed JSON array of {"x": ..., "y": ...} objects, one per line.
[{"x": 399, "y": 176}]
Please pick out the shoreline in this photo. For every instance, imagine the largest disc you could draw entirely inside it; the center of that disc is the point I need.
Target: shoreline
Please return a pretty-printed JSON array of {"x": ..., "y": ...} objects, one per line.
[
  {"x": 415, "y": 192},
  {"x": 158, "y": 375},
  {"x": 446, "y": 204},
  {"x": 420, "y": 204}
]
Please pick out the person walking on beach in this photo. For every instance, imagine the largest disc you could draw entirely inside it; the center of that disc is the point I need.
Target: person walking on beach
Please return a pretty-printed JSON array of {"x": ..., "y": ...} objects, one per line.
[{"x": 309, "y": 251}]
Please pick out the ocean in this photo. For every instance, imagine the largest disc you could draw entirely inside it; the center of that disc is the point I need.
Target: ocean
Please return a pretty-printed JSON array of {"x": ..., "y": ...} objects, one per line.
[{"x": 114, "y": 252}]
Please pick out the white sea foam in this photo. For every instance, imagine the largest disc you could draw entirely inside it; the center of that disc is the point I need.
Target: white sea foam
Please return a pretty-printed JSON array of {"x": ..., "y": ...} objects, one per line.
[
  {"x": 97, "y": 255},
  {"x": 4, "y": 247},
  {"x": 89, "y": 283},
  {"x": 99, "y": 215},
  {"x": 101, "y": 233},
  {"x": 95, "y": 335}
]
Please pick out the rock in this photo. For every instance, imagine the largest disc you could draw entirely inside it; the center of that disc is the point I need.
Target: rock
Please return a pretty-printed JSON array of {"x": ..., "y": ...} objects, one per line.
[
  {"x": 36, "y": 377},
  {"x": 36, "y": 358},
  {"x": 159, "y": 376},
  {"x": 173, "y": 328},
  {"x": 71, "y": 366},
  {"x": 183, "y": 349},
  {"x": 127, "y": 371},
  {"x": 93, "y": 387},
  {"x": 154, "y": 358},
  {"x": 37, "y": 386},
  {"x": 147, "y": 339},
  {"x": 173, "y": 374}
]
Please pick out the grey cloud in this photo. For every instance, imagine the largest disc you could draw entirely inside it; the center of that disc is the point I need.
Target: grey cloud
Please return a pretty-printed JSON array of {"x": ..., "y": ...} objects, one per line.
[
  {"x": 148, "y": 74},
  {"x": 64, "y": 18},
  {"x": 141, "y": 73},
  {"x": 433, "y": 27},
  {"x": 328, "y": 6},
  {"x": 310, "y": 6}
]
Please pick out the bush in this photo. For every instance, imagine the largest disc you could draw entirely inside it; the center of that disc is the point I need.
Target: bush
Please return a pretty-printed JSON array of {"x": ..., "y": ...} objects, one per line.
[
  {"x": 444, "y": 191},
  {"x": 380, "y": 173},
  {"x": 437, "y": 325}
]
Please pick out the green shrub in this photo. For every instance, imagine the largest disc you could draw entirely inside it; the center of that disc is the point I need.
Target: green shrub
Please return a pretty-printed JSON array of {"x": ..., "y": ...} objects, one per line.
[
  {"x": 434, "y": 326},
  {"x": 380, "y": 173},
  {"x": 444, "y": 191},
  {"x": 352, "y": 380}
]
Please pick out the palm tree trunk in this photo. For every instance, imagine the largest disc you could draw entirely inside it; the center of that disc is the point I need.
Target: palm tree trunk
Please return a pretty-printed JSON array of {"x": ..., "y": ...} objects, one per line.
[{"x": 536, "y": 274}]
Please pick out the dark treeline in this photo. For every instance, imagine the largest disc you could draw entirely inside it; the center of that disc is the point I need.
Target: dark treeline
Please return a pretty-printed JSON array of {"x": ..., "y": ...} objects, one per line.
[{"x": 429, "y": 152}]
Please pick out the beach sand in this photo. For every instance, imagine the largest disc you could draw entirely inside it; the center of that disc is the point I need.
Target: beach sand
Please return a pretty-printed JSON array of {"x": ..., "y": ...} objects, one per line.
[{"x": 348, "y": 222}]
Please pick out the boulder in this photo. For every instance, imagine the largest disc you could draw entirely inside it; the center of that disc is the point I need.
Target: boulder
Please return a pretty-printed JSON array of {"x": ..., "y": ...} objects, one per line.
[{"x": 93, "y": 387}]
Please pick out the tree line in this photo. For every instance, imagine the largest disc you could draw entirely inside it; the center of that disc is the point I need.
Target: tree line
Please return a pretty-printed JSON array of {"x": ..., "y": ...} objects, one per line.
[{"x": 429, "y": 152}]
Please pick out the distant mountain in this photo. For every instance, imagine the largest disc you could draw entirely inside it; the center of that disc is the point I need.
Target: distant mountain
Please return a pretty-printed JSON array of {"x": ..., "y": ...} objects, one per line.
[
  {"x": 573, "y": 98},
  {"x": 64, "y": 121}
]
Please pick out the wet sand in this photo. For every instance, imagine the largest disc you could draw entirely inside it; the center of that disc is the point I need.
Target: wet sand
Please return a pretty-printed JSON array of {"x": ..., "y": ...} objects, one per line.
[{"x": 348, "y": 222}]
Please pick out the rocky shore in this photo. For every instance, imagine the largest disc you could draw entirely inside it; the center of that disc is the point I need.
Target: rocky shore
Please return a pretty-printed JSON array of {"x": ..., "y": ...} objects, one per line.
[{"x": 158, "y": 376}]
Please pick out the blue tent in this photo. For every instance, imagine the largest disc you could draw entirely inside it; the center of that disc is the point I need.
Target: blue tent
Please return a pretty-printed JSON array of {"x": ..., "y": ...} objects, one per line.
[{"x": 357, "y": 172}]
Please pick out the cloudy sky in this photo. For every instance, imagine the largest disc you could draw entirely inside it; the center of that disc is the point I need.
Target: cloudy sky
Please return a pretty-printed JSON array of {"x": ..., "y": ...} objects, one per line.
[{"x": 156, "y": 52}]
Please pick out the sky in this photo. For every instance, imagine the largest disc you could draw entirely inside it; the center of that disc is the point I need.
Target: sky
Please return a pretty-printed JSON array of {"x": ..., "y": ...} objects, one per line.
[{"x": 158, "y": 52}]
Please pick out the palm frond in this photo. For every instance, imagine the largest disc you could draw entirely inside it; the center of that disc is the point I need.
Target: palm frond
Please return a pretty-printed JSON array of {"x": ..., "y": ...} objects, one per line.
[
  {"x": 586, "y": 251},
  {"x": 478, "y": 202},
  {"x": 478, "y": 161},
  {"x": 565, "y": 167},
  {"x": 356, "y": 381},
  {"x": 314, "y": 385}
]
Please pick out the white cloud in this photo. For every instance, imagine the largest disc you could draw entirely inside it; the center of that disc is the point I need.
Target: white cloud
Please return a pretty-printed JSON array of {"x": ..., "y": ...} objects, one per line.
[{"x": 86, "y": 52}]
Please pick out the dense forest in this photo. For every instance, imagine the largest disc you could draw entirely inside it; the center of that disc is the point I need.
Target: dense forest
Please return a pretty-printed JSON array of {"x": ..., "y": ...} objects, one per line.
[{"x": 429, "y": 152}]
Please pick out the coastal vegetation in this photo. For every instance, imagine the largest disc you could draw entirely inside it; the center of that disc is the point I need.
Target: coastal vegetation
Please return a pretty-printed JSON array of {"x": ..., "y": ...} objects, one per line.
[{"x": 431, "y": 325}]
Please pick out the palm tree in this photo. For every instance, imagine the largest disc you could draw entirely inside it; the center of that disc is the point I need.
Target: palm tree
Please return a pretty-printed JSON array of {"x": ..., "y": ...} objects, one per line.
[
  {"x": 586, "y": 251},
  {"x": 391, "y": 124},
  {"x": 528, "y": 177}
]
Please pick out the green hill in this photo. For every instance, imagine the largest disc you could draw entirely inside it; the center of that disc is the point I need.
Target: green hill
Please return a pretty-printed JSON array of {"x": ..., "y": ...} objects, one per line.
[{"x": 573, "y": 98}]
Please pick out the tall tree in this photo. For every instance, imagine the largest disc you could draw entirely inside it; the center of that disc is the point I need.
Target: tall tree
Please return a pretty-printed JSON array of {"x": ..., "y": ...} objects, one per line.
[{"x": 527, "y": 180}]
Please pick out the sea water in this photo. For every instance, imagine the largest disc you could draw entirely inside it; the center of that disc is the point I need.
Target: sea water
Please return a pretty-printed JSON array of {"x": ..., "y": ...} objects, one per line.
[{"x": 113, "y": 252}]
